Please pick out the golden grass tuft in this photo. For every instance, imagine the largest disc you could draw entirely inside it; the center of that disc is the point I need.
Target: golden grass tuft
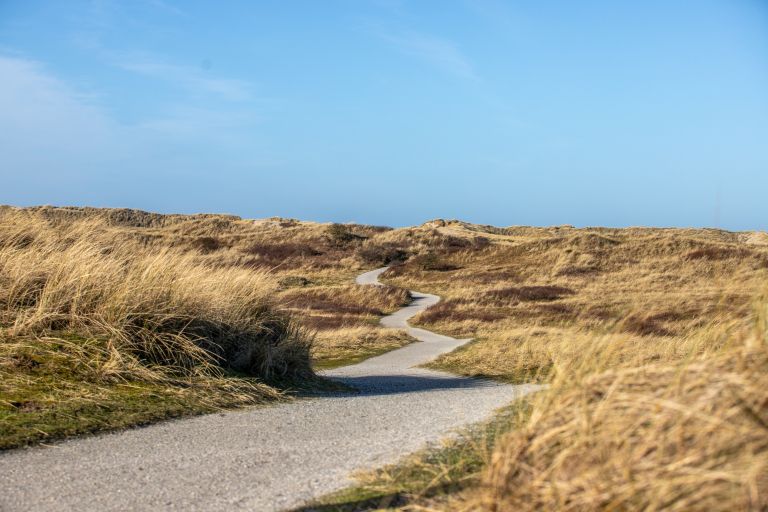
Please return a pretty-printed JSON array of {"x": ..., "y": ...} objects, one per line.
[
  {"x": 654, "y": 356},
  {"x": 99, "y": 330},
  {"x": 689, "y": 434},
  {"x": 160, "y": 306}
]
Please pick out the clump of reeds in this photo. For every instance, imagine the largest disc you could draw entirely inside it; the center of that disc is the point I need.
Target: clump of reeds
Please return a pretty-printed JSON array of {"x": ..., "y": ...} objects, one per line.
[
  {"x": 611, "y": 433},
  {"x": 161, "y": 307}
]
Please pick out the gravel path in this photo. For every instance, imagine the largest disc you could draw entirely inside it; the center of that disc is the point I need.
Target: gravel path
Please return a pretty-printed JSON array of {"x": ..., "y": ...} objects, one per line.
[{"x": 266, "y": 458}]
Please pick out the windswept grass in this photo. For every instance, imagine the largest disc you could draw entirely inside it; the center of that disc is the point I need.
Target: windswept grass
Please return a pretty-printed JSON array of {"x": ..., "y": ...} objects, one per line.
[
  {"x": 654, "y": 351},
  {"x": 685, "y": 433},
  {"x": 533, "y": 292},
  {"x": 112, "y": 317},
  {"x": 617, "y": 428},
  {"x": 91, "y": 322}
]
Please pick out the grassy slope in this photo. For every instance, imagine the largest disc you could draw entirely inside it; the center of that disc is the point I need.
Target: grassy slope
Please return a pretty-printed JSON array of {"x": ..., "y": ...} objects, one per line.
[
  {"x": 111, "y": 318},
  {"x": 538, "y": 292},
  {"x": 675, "y": 434},
  {"x": 685, "y": 434},
  {"x": 653, "y": 343},
  {"x": 55, "y": 387},
  {"x": 99, "y": 331},
  {"x": 629, "y": 327}
]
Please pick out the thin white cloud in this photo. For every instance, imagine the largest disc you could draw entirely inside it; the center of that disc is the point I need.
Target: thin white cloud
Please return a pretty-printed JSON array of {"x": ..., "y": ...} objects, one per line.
[
  {"x": 191, "y": 78},
  {"x": 43, "y": 115},
  {"x": 165, "y": 6},
  {"x": 220, "y": 128},
  {"x": 48, "y": 127},
  {"x": 436, "y": 51}
]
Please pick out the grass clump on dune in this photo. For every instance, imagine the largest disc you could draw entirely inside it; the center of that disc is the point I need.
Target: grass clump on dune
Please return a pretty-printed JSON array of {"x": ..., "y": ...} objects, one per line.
[
  {"x": 617, "y": 428},
  {"x": 98, "y": 332},
  {"x": 685, "y": 434},
  {"x": 351, "y": 345},
  {"x": 655, "y": 356}
]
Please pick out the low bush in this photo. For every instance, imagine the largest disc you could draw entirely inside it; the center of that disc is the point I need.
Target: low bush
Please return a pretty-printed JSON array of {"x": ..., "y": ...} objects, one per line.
[
  {"x": 161, "y": 306},
  {"x": 452, "y": 310},
  {"x": 528, "y": 293},
  {"x": 340, "y": 235},
  {"x": 433, "y": 262},
  {"x": 715, "y": 253},
  {"x": 381, "y": 254},
  {"x": 207, "y": 244}
]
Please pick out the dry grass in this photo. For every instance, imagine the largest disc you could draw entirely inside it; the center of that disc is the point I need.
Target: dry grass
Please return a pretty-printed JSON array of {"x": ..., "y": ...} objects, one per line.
[
  {"x": 349, "y": 345},
  {"x": 87, "y": 314},
  {"x": 688, "y": 433},
  {"x": 533, "y": 290},
  {"x": 161, "y": 307},
  {"x": 655, "y": 358},
  {"x": 313, "y": 264},
  {"x": 648, "y": 338},
  {"x": 111, "y": 318},
  {"x": 621, "y": 426}
]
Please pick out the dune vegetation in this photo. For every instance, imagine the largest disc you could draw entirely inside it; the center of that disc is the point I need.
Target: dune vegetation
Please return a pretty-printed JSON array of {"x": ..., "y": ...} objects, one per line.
[
  {"x": 609, "y": 432},
  {"x": 651, "y": 343},
  {"x": 111, "y": 318},
  {"x": 99, "y": 331},
  {"x": 616, "y": 432},
  {"x": 536, "y": 294}
]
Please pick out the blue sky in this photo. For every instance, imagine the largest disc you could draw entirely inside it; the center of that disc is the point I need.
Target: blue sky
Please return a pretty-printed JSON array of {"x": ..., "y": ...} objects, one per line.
[{"x": 391, "y": 112}]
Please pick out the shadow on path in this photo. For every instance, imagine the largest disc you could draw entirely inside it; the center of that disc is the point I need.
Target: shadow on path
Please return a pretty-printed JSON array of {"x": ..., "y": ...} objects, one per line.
[
  {"x": 363, "y": 505},
  {"x": 393, "y": 384}
]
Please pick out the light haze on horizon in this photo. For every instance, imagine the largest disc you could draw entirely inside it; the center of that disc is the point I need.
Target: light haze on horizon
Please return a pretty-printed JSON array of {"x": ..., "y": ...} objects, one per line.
[{"x": 391, "y": 112}]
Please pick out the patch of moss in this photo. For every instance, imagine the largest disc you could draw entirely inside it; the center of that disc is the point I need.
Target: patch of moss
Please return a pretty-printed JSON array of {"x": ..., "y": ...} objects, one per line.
[{"x": 58, "y": 387}]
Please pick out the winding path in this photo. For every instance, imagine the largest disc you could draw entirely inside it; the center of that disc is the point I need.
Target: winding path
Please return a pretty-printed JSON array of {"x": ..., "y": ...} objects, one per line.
[{"x": 266, "y": 458}]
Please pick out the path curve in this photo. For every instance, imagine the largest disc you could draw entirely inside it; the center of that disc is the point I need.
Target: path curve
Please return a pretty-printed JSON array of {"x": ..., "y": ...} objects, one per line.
[{"x": 266, "y": 458}]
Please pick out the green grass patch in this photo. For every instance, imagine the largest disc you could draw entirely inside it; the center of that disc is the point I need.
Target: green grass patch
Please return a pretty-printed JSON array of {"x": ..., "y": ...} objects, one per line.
[
  {"x": 57, "y": 387},
  {"x": 347, "y": 346},
  {"x": 330, "y": 362}
]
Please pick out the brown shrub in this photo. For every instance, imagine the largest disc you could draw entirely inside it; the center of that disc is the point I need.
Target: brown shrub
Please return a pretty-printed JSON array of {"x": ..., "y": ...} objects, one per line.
[
  {"x": 433, "y": 262},
  {"x": 348, "y": 300},
  {"x": 448, "y": 310},
  {"x": 342, "y": 235},
  {"x": 207, "y": 244},
  {"x": 528, "y": 293},
  {"x": 715, "y": 253},
  {"x": 381, "y": 253},
  {"x": 557, "y": 310},
  {"x": 279, "y": 251},
  {"x": 576, "y": 270},
  {"x": 294, "y": 281},
  {"x": 322, "y": 300},
  {"x": 645, "y": 325}
]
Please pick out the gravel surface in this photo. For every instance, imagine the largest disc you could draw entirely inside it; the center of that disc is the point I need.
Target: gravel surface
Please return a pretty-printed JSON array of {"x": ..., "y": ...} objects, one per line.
[{"x": 266, "y": 458}]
